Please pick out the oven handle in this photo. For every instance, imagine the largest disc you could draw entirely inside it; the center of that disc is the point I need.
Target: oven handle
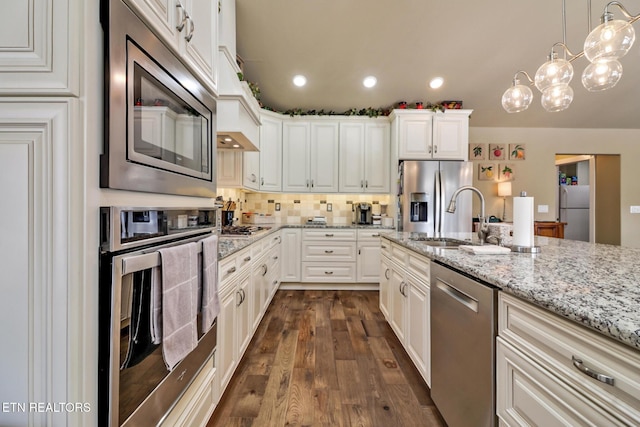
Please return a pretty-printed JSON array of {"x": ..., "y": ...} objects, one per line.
[{"x": 135, "y": 263}]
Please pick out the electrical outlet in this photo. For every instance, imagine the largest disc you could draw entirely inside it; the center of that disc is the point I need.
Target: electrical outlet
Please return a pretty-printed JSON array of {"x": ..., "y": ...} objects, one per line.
[
  {"x": 543, "y": 208},
  {"x": 635, "y": 209},
  {"x": 329, "y": 207},
  {"x": 277, "y": 207}
]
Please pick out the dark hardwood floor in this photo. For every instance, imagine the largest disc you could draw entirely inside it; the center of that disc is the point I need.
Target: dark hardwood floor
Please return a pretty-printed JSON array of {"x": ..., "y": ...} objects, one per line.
[{"x": 325, "y": 358}]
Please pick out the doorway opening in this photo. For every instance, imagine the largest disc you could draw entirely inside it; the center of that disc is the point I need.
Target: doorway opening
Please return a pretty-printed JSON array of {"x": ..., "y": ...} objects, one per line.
[{"x": 588, "y": 196}]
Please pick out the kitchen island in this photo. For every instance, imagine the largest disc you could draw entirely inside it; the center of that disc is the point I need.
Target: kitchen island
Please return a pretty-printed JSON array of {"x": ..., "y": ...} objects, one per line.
[
  {"x": 567, "y": 350},
  {"x": 595, "y": 285}
]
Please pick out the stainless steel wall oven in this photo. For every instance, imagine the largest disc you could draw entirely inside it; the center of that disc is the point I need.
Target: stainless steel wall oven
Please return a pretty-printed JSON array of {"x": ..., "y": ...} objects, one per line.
[
  {"x": 134, "y": 385},
  {"x": 159, "y": 119}
]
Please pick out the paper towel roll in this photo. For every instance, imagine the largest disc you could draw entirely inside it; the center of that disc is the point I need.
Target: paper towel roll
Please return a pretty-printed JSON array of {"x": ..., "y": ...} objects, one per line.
[{"x": 523, "y": 221}]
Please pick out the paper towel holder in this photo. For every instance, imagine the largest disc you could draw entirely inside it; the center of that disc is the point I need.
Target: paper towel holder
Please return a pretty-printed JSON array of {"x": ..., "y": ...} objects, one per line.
[{"x": 525, "y": 249}]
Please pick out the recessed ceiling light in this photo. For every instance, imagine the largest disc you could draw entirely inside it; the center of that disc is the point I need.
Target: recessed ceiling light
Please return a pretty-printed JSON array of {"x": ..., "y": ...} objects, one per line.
[
  {"x": 299, "y": 80},
  {"x": 369, "y": 81},
  {"x": 236, "y": 145},
  {"x": 436, "y": 82},
  {"x": 227, "y": 139}
]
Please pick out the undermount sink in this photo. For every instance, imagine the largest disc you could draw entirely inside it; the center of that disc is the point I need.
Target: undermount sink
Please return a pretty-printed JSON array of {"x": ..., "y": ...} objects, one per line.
[
  {"x": 438, "y": 242},
  {"x": 442, "y": 243}
]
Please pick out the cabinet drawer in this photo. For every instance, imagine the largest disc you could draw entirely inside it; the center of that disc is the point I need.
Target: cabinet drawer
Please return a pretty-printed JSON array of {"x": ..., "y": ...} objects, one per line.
[
  {"x": 567, "y": 349},
  {"x": 527, "y": 394},
  {"x": 369, "y": 234},
  {"x": 321, "y": 272},
  {"x": 244, "y": 259},
  {"x": 398, "y": 254},
  {"x": 229, "y": 267},
  {"x": 329, "y": 251},
  {"x": 385, "y": 247},
  {"x": 329, "y": 234},
  {"x": 419, "y": 266}
]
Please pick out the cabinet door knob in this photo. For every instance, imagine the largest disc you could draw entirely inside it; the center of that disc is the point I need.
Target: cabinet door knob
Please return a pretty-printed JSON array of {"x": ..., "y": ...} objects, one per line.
[
  {"x": 386, "y": 274},
  {"x": 435, "y": 148},
  {"x": 247, "y": 259},
  {"x": 231, "y": 270}
]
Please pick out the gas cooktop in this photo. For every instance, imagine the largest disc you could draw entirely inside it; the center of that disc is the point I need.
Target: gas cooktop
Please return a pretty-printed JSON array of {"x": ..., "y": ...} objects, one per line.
[{"x": 241, "y": 230}]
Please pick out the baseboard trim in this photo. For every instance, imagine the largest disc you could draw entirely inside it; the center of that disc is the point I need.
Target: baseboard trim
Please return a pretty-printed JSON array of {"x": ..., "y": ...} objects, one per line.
[{"x": 329, "y": 286}]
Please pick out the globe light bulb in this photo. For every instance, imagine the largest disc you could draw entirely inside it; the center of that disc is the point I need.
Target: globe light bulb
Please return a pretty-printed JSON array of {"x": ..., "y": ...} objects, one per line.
[
  {"x": 553, "y": 72},
  {"x": 601, "y": 75},
  {"x": 611, "y": 40},
  {"x": 517, "y": 98},
  {"x": 557, "y": 97}
]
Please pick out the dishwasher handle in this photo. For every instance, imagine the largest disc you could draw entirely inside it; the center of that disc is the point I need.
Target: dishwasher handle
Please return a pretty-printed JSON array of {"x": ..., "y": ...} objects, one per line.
[{"x": 458, "y": 295}]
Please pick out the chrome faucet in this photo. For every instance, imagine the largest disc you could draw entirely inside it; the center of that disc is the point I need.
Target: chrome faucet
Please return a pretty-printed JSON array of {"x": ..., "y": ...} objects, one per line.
[{"x": 483, "y": 229}]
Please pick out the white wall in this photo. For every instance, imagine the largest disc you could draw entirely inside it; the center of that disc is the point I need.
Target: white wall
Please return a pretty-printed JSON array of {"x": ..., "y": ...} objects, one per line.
[{"x": 537, "y": 174}]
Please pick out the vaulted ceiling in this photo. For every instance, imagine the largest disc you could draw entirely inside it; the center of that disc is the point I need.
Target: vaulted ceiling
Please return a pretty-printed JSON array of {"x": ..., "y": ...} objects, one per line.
[{"x": 477, "y": 46}]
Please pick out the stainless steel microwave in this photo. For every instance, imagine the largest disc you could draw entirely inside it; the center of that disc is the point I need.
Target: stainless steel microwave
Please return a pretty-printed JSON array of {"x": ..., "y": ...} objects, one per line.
[{"x": 160, "y": 133}]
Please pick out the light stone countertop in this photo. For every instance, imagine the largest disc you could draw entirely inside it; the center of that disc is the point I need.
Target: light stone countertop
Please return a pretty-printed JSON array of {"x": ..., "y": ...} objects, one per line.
[
  {"x": 228, "y": 245},
  {"x": 595, "y": 285}
]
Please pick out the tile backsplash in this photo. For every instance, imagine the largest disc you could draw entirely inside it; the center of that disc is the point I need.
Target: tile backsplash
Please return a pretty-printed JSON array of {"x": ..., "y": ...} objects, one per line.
[{"x": 297, "y": 208}]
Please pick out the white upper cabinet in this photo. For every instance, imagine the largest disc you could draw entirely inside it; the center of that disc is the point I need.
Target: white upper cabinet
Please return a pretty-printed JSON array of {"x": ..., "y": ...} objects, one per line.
[
  {"x": 229, "y": 168},
  {"x": 425, "y": 135},
  {"x": 200, "y": 43},
  {"x": 270, "y": 154},
  {"x": 310, "y": 156},
  {"x": 364, "y": 157},
  {"x": 39, "y": 45},
  {"x": 189, "y": 28}
]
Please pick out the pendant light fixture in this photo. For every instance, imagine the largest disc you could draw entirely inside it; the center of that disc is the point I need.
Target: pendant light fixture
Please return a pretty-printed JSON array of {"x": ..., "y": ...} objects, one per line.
[
  {"x": 518, "y": 97},
  {"x": 603, "y": 47}
]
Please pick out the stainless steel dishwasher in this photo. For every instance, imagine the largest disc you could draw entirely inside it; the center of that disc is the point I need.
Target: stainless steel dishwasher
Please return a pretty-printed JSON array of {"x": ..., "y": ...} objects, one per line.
[{"x": 463, "y": 330}]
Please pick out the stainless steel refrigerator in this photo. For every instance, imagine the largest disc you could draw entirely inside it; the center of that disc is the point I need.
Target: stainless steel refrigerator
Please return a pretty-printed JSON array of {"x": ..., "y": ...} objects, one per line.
[
  {"x": 424, "y": 190},
  {"x": 574, "y": 210}
]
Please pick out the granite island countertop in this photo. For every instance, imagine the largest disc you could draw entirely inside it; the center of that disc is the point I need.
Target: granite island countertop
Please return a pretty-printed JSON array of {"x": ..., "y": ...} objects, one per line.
[{"x": 595, "y": 285}]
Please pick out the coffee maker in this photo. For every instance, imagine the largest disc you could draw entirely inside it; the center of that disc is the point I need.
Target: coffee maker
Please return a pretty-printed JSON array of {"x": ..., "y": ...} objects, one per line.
[{"x": 364, "y": 214}]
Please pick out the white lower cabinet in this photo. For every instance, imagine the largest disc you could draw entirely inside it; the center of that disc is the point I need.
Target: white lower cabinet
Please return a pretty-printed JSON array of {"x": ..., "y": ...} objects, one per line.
[
  {"x": 405, "y": 302},
  {"x": 329, "y": 255},
  {"x": 248, "y": 281},
  {"x": 291, "y": 259},
  {"x": 551, "y": 371},
  {"x": 368, "y": 263},
  {"x": 199, "y": 401}
]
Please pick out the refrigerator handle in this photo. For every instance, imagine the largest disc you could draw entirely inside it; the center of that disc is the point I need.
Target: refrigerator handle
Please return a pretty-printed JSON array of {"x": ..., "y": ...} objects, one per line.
[{"x": 439, "y": 204}]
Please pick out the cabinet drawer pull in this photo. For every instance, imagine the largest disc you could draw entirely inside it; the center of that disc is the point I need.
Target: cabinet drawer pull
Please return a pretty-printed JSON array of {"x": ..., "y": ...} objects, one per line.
[
  {"x": 275, "y": 257},
  {"x": 328, "y": 272},
  {"x": 386, "y": 274},
  {"x": 184, "y": 15},
  {"x": 590, "y": 372},
  {"x": 231, "y": 270},
  {"x": 328, "y": 234},
  {"x": 247, "y": 259},
  {"x": 383, "y": 246},
  {"x": 328, "y": 252},
  {"x": 375, "y": 235},
  {"x": 264, "y": 269},
  {"x": 435, "y": 148}
]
